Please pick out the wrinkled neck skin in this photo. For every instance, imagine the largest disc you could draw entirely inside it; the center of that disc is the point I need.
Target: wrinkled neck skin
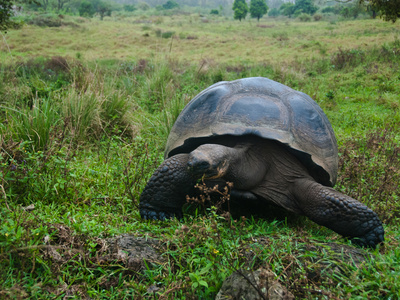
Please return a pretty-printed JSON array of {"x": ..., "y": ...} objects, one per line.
[
  {"x": 245, "y": 167},
  {"x": 281, "y": 171}
]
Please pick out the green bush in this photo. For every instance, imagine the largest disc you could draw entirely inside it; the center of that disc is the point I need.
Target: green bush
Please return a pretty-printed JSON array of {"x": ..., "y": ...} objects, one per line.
[{"x": 304, "y": 17}]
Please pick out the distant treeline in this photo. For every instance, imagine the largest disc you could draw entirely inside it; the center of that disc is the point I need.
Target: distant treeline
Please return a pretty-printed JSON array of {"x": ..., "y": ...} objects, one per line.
[{"x": 291, "y": 9}]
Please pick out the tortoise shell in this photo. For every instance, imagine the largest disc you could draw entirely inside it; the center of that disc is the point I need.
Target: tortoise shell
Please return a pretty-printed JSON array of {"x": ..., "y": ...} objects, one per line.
[{"x": 264, "y": 108}]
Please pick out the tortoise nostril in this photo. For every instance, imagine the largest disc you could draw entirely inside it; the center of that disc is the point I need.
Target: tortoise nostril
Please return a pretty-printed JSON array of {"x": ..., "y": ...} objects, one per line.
[{"x": 199, "y": 165}]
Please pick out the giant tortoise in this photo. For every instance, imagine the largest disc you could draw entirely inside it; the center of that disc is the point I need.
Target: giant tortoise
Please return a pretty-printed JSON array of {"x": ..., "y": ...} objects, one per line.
[{"x": 273, "y": 143}]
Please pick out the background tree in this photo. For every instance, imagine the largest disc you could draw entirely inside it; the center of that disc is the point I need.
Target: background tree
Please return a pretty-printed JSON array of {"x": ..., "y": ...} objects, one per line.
[
  {"x": 240, "y": 9},
  {"x": 351, "y": 11},
  {"x": 258, "y": 8},
  {"x": 143, "y": 6},
  {"x": 129, "y": 7},
  {"x": 86, "y": 9},
  {"x": 287, "y": 9},
  {"x": 389, "y": 9},
  {"x": 170, "y": 4},
  {"x": 305, "y": 6},
  {"x": 60, "y": 4},
  {"x": 44, "y": 4},
  {"x": 103, "y": 9},
  {"x": 6, "y": 12}
]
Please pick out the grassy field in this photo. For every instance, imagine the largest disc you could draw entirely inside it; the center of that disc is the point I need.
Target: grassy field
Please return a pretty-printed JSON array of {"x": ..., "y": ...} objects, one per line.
[
  {"x": 86, "y": 109},
  {"x": 196, "y": 39}
]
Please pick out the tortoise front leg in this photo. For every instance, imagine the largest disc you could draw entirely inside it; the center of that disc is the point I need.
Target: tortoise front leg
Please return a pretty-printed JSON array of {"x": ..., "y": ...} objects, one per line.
[
  {"x": 339, "y": 212},
  {"x": 165, "y": 193}
]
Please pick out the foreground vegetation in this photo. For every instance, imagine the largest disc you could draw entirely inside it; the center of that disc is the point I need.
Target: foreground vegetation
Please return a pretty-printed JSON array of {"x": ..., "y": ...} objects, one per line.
[{"x": 84, "y": 126}]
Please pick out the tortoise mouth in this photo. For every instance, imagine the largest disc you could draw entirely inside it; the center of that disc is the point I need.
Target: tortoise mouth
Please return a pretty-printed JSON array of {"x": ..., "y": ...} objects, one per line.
[
  {"x": 219, "y": 171},
  {"x": 207, "y": 170}
]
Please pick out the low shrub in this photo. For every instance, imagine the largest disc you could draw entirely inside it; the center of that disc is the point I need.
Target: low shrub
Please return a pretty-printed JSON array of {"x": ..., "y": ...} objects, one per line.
[
  {"x": 164, "y": 34},
  {"x": 45, "y": 20},
  {"x": 347, "y": 58},
  {"x": 167, "y": 34},
  {"x": 317, "y": 17},
  {"x": 304, "y": 17}
]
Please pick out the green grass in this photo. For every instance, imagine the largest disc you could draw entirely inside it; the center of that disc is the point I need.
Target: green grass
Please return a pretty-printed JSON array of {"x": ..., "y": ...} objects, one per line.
[{"x": 84, "y": 121}]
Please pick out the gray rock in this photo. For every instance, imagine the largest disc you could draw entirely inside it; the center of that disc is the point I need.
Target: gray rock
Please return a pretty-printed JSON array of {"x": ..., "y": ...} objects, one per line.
[
  {"x": 253, "y": 285},
  {"x": 135, "y": 252}
]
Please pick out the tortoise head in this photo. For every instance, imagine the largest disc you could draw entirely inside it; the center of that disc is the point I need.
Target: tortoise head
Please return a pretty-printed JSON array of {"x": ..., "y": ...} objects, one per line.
[{"x": 210, "y": 160}]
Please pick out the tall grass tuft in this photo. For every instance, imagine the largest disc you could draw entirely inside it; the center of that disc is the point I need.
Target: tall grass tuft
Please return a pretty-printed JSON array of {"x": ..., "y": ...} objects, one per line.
[
  {"x": 34, "y": 125},
  {"x": 158, "y": 87},
  {"x": 171, "y": 112},
  {"x": 96, "y": 104},
  {"x": 81, "y": 111}
]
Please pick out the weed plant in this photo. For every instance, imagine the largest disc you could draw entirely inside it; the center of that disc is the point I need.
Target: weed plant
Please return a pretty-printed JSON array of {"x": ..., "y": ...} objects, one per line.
[{"x": 80, "y": 138}]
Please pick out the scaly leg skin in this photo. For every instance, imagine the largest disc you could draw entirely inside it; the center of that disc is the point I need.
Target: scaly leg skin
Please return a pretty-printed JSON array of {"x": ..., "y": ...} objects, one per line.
[
  {"x": 339, "y": 212},
  {"x": 165, "y": 193}
]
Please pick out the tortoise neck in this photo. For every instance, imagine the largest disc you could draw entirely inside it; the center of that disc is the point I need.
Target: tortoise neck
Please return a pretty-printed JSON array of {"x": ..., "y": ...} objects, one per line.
[{"x": 245, "y": 167}]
